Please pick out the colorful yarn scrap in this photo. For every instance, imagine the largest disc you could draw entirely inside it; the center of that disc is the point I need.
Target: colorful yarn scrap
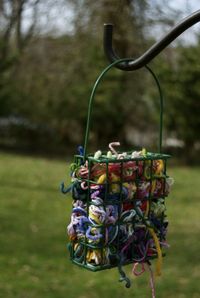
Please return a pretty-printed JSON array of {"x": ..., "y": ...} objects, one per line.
[{"x": 118, "y": 210}]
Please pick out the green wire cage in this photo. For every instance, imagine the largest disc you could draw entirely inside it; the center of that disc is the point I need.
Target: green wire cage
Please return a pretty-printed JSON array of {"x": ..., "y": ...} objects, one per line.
[{"x": 118, "y": 210}]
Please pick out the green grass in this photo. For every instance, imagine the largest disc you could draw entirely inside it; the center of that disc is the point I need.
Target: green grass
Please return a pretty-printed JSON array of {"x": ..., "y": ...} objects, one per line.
[{"x": 34, "y": 261}]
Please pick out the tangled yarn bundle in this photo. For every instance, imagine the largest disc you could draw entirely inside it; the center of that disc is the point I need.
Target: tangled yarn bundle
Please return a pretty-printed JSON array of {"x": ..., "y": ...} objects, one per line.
[{"x": 119, "y": 213}]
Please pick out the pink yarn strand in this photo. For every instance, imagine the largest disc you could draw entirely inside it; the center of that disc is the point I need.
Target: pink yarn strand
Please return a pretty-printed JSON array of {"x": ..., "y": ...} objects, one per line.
[
  {"x": 152, "y": 283},
  {"x": 136, "y": 273}
]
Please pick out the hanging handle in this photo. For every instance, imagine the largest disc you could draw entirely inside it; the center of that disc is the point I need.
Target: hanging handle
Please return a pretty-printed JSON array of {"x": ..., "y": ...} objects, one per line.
[
  {"x": 99, "y": 79},
  {"x": 154, "y": 50}
]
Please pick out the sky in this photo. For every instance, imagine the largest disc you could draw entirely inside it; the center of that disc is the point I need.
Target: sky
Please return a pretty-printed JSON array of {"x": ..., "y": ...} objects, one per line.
[{"x": 186, "y": 7}]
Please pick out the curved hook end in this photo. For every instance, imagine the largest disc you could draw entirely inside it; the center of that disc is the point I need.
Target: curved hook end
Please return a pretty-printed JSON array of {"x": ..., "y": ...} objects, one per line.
[
  {"x": 108, "y": 48},
  {"x": 108, "y": 36}
]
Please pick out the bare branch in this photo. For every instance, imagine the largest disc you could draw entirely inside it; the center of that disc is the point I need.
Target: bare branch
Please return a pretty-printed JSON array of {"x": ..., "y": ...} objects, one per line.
[
  {"x": 31, "y": 29},
  {"x": 13, "y": 11}
]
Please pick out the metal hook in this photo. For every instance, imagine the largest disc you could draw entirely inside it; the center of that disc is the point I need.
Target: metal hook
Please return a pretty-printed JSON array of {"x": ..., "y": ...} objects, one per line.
[{"x": 151, "y": 52}]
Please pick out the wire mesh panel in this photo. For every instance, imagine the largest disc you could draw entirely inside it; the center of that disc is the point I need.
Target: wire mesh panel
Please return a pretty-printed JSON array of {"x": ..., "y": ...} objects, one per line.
[{"x": 118, "y": 214}]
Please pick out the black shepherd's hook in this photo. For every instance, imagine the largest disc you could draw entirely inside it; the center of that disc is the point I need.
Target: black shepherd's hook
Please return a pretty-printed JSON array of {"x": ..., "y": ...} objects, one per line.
[{"x": 154, "y": 50}]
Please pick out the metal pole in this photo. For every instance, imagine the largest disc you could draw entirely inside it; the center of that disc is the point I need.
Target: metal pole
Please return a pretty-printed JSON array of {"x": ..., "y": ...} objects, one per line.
[{"x": 151, "y": 52}]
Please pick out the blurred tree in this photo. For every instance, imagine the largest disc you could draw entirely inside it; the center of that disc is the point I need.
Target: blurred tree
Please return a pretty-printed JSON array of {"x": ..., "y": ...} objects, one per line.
[
  {"x": 179, "y": 71},
  {"x": 47, "y": 78},
  {"x": 119, "y": 98},
  {"x": 14, "y": 37}
]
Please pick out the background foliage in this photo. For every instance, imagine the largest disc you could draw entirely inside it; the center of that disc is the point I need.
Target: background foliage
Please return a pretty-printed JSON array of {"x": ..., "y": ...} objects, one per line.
[{"x": 46, "y": 78}]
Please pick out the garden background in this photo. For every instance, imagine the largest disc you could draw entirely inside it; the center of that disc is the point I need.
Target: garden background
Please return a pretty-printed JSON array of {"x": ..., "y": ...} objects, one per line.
[{"x": 50, "y": 55}]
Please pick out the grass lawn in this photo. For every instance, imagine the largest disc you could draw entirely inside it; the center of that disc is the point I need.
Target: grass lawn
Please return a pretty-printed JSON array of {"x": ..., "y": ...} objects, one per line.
[{"x": 34, "y": 261}]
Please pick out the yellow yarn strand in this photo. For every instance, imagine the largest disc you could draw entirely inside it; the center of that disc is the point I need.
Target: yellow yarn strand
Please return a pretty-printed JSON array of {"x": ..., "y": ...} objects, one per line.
[
  {"x": 153, "y": 186},
  {"x": 101, "y": 179},
  {"x": 159, "y": 252},
  {"x": 147, "y": 209}
]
